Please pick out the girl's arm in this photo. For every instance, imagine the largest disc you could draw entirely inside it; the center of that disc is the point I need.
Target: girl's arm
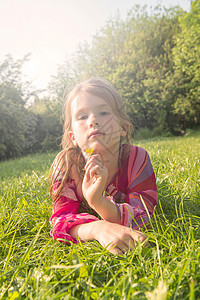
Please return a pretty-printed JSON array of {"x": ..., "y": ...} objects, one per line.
[
  {"x": 116, "y": 238},
  {"x": 65, "y": 215},
  {"x": 68, "y": 226},
  {"x": 141, "y": 198},
  {"x": 107, "y": 209},
  {"x": 93, "y": 187}
]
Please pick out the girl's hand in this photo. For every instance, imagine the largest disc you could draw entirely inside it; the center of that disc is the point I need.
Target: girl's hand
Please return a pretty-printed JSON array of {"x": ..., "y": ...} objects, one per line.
[
  {"x": 118, "y": 239},
  {"x": 94, "y": 181}
]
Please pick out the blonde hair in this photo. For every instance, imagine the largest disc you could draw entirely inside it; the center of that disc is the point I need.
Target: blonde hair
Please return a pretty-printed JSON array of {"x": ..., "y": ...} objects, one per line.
[{"x": 70, "y": 154}]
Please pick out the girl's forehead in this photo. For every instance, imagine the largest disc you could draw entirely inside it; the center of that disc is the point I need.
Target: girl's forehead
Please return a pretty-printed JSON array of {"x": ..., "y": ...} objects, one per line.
[{"x": 86, "y": 100}]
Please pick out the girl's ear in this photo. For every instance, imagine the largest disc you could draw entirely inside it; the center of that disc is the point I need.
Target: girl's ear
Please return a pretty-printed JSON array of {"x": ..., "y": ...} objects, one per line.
[
  {"x": 123, "y": 131},
  {"x": 72, "y": 137}
]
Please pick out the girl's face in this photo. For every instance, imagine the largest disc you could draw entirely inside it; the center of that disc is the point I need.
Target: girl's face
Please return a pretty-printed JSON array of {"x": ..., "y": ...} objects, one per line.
[{"x": 94, "y": 124}]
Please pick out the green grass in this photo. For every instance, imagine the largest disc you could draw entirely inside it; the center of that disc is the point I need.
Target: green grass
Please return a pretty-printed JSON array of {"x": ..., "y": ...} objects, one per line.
[{"x": 32, "y": 266}]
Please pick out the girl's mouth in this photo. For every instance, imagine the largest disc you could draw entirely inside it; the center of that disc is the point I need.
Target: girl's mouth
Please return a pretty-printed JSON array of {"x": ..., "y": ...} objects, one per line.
[{"x": 95, "y": 133}]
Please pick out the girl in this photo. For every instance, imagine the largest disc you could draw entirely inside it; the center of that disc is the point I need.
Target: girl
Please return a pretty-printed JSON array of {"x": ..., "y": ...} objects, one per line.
[{"x": 102, "y": 187}]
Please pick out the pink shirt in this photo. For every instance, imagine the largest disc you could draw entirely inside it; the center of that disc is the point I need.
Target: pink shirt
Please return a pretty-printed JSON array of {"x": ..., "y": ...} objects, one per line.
[{"x": 133, "y": 190}]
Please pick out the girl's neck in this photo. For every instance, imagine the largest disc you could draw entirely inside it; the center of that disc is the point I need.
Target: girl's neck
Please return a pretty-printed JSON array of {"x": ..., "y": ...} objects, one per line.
[{"x": 111, "y": 162}]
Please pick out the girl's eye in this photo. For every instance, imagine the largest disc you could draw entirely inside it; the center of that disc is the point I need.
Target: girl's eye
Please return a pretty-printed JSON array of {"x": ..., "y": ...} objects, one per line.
[
  {"x": 82, "y": 117},
  {"x": 104, "y": 113}
]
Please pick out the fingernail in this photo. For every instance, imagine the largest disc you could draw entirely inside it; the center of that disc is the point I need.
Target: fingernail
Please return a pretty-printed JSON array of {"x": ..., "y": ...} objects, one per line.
[{"x": 141, "y": 239}]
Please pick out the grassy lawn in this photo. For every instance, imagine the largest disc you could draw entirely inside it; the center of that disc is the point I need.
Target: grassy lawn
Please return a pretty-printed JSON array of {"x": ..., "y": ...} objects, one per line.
[{"x": 33, "y": 266}]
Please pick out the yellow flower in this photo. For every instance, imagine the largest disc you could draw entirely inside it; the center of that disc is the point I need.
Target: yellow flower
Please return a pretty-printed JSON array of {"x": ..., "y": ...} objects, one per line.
[{"x": 90, "y": 151}]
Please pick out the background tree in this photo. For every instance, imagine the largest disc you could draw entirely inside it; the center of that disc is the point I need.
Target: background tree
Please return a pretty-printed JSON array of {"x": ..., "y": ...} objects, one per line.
[
  {"x": 136, "y": 56},
  {"x": 11, "y": 122},
  {"x": 152, "y": 57},
  {"x": 144, "y": 65},
  {"x": 186, "y": 56},
  {"x": 48, "y": 127},
  {"x": 13, "y": 97}
]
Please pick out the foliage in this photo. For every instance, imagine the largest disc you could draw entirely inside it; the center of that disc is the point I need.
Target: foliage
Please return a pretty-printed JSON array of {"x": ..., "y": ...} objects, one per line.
[
  {"x": 152, "y": 57},
  {"x": 33, "y": 266},
  {"x": 135, "y": 55},
  {"x": 144, "y": 66},
  {"x": 11, "y": 110},
  {"x": 48, "y": 113},
  {"x": 187, "y": 67},
  {"x": 24, "y": 129},
  {"x": 11, "y": 75},
  {"x": 64, "y": 81},
  {"x": 32, "y": 133},
  {"x": 144, "y": 57}
]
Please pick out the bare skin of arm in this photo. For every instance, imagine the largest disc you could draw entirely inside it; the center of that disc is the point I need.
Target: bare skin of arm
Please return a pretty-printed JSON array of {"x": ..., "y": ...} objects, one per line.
[
  {"x": 93, "y": 186},
  {"x": 108, "y": 232},
  {"x": 116, "y": 238}
]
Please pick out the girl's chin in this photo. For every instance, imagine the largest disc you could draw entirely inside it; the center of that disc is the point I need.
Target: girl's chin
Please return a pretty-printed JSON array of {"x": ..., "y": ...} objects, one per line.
[{"x": 100, "y": 147}]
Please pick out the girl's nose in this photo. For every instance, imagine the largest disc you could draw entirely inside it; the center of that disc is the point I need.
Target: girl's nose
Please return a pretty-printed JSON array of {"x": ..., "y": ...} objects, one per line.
[
  {"x": 93, "y": 121},
  {"x": 94, "y": 124}
]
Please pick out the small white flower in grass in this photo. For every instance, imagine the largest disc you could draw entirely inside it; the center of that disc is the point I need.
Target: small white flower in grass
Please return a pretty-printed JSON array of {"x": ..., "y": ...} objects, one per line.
[{"x": 159, "y": 293}]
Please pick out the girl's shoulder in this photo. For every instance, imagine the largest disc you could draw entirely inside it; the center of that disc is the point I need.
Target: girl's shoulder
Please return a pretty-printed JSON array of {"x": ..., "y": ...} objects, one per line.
[
  {"x": 137, "y": 151},
  {"x": 132, "y": 152},
  {"x": 133, "y": 158},
  {"x": 59, "y": 168},
  {"x": 64, "y": 170}
]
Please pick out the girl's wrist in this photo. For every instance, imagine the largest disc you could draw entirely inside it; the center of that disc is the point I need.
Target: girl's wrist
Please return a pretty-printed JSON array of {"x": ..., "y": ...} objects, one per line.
[
  {"x": 87, "y": 231},
  {"x": 107, "y": 209},
  {"x": 95, "y": 202},
  {"x": 97, "y": 229},
  {"x": 98, "y": 203}
]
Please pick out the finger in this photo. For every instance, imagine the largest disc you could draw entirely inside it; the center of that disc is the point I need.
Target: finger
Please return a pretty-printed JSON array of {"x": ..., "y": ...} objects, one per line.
[
  {"x": 114, "y": 249},
  {"x": 95, "y": 172},
  {"x": 138, "y": 236},
  {"x": 129, "y": 243},
  {"x": 147, "y": 244},
  {"x": 125, "y": 243},
  {"x": 90, "y": 165},
  {"x": 121, "y": 246},
  {"x": 93, "y": 163},
  {"x": 93, "y": 166},
  {"x": 97, "y": 156},
  {"x": 87, "y": 175},
  {"x": 88, "y": 171},
  {"x": 96, "y": 159},
  {"x": 92, "y": 173}
]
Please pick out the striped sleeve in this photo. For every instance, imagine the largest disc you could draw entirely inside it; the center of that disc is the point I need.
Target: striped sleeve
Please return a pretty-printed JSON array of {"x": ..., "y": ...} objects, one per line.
[
  {"x": 141, "y": 198},
  {"x": 65, "y": 215}
]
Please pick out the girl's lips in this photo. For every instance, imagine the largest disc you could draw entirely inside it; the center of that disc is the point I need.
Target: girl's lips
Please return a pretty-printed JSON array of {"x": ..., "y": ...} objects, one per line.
[{"x": 96, "y": 133}]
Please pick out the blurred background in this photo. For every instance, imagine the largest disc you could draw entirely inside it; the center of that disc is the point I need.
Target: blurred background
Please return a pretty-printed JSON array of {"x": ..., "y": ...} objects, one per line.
[{"x": 149, "y": 50}]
